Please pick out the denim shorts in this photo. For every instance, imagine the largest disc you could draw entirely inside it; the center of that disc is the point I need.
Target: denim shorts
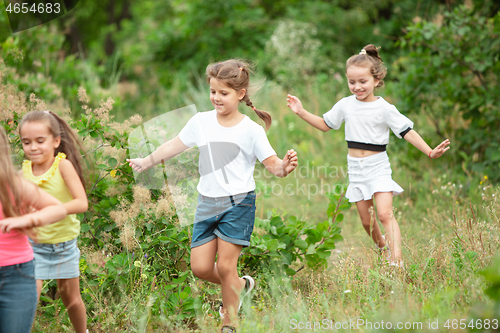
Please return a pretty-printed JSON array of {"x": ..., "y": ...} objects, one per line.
[
  {"x": 57, "y": 261},
  {"x": 228, "y": 218},
  {"x": 18, "y": 298}
]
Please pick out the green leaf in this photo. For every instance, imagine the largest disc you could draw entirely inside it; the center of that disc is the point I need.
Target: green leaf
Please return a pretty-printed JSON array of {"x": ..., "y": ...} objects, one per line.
[
  {"x": 300, "y": 243},
  {"x": 311, "y": 249},
  {"x": 112, "y": 162}
]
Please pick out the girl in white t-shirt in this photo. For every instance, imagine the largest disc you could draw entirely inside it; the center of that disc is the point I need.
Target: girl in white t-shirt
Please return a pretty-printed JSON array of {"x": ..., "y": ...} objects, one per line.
[
  {"x": 368, "y": 119},
  {"x": 229, "y": 143}
]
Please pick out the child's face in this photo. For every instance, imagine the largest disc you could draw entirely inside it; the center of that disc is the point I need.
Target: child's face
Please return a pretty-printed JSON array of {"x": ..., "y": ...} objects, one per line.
[
  {"x": 224, "y": 98},
  {"x": 38, "y": 143},
  {"x": 361, "y": 83}
]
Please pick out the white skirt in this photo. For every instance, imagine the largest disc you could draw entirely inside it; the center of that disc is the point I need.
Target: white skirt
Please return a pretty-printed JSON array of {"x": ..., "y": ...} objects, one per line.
[{"x": 368, "y": 175}]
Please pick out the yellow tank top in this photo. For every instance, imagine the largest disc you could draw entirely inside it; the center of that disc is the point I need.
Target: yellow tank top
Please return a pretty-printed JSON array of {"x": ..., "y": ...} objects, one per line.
[{"x": 53, "y": 183}]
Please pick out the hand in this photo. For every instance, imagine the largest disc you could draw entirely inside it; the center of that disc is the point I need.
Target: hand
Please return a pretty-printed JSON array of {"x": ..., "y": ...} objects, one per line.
[
  {"x": 290, "y": 162},
  {"x": 294, "y": 103},
  {"x": 30, "y": 232},
  {"x": 18, "y": 222},
  {"x": 440, "y": 149},
  {"x": 137, "y": 164}
]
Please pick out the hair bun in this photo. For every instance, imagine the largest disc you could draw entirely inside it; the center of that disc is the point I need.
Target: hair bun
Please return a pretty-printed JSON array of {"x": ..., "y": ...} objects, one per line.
[{"x": 372, "y": 51}]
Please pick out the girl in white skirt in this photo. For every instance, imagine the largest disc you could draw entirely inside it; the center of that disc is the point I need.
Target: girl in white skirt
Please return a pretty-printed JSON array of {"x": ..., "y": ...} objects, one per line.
[{"x": 368, "y": 119}]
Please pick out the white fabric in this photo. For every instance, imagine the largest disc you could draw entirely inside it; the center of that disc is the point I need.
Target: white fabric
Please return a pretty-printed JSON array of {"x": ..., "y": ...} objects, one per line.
[
  {"x": 367, "y": 122},
  {"x": 249, "y": 136},
  {"x": 368, "y": 175}
]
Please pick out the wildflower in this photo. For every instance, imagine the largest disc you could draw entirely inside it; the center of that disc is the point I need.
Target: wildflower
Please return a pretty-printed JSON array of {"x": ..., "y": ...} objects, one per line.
[
  {"x": 82, "y": 95},
  {"x": 136, "y": 119},
  {"x": 137, "y": 263},
  {"x": 127, "y": 236},
  {"x": 141, "y": 195},
  {"x": 144, "y": 276},
  {"x": 347, "y": 291},
  {"x": 485, "y": 177},
  {"x": 113, "y": 173},
  {"x": 146, "y": 256}
]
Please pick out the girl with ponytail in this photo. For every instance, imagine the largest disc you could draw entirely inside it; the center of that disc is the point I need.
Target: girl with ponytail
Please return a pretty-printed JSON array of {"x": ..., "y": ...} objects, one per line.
[
  {"x": 368, "y": 119},
  {"x": 54, "y": 164},
  {"x": 225, "y": 214}
]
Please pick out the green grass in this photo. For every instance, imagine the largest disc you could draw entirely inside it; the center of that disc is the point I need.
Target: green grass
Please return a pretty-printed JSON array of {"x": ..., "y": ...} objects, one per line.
[{"x": 449, "y": 224}]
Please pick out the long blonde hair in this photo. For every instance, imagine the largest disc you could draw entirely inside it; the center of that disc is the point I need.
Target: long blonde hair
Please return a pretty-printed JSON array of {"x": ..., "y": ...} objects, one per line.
[{"x": 10, "y": 194}]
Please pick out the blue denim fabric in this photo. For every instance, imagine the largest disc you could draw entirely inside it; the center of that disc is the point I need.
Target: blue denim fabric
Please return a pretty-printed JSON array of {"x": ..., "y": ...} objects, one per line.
[
  {"x": 18, "y": 298},
  {"x": 228, "y": 218},
  {"x": 56, "y": 261}
]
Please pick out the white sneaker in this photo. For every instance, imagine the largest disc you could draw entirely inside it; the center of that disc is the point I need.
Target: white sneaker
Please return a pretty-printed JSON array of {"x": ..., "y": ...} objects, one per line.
[
  {"x": 381, "y": 250},
  {"x": 249, "y": 285}
]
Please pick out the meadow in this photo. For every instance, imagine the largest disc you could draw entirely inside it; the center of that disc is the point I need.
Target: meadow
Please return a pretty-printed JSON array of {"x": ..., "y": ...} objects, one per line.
[
  {"x": 135, "y": 254},
  {"x": 315, "y": 267}
]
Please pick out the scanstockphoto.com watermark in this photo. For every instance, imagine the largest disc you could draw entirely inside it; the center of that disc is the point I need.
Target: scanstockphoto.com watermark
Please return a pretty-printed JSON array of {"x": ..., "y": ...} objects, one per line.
[
  {"x": 363, "y": 324},
  {"x": 308, "y": 170},
  {"x": 307, "y": 180},
  {"x": 296, "y": 188}
]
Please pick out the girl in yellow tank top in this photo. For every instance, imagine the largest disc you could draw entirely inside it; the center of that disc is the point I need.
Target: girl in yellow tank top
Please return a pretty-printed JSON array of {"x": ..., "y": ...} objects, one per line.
[{"x": 54, "y": 164}]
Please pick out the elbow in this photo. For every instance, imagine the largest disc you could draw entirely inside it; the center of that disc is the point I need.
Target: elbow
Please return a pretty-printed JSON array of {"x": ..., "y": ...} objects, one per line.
[{"x": 84, "y": 206}]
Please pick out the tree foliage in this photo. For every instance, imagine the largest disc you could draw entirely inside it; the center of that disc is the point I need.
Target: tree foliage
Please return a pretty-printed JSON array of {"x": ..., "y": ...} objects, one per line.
[{"x": 450, "y": 73}]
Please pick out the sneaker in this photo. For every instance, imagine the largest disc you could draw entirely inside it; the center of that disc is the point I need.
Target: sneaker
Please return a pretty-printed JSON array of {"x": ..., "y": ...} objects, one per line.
[
  {"x": 381, "y": 250},
  {"x": 398, "y": 264},
  {"x": 228, "y": 329},
  {"x": 249, "y": 285}
]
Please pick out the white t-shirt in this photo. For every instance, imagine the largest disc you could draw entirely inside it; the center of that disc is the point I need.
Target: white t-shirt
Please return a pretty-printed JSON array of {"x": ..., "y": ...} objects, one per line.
[
  {"x": 231, "y": 152},
  {"x": 367, "y": 122}
]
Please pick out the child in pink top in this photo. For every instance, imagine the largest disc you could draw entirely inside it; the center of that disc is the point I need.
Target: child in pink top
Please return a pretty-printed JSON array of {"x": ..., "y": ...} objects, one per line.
[{"x": 18, "y": 295}]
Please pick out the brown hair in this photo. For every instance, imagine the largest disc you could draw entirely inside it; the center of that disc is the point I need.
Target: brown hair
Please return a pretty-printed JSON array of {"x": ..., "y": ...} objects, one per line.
[
  {"x": 236, "y": 75},
  {"x": 370, "y": 59},
  {"x": 10, "y": 194},
  {"x": 58, "y": 127}
]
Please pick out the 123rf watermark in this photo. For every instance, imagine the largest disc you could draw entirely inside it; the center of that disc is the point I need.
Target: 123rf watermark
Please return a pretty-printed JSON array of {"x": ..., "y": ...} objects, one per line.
[{"x": 363, "y": 324}]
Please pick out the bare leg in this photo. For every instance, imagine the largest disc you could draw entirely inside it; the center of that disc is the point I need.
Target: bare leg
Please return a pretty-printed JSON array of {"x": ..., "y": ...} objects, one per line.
[
  {"x": 39, "y": 286},
  {"x": 203, "y": 262},
  {"x": 204, "y": 267},
  {"x": 368, "y": 218},
  {"x": 231, "y": 283},
  {"x": 386, "y": 217},
  {"x": 72, "y": 300}
]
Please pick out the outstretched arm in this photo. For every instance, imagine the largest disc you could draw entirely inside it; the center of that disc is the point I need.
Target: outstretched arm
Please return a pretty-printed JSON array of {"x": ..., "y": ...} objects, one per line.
[
  {"x": 47, "y": 209},
  {"x": 415, "y": 139},
  {"x": 165, "y": 152},
  {"x": 281, "y": 168},
  {"x": 295, "y": 104}
]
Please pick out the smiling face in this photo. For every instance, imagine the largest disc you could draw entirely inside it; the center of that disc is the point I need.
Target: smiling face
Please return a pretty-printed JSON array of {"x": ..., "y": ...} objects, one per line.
[
  {"x": 38, "y": 143},
  {"x": 361, "y": 83},
  {"x": 224, "y": 98}
]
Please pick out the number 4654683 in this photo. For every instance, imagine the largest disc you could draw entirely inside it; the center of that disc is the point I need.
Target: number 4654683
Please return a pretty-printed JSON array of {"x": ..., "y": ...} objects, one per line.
[
  {"x": 35, "y": 8},
  {"x": 472, "y": 324}
]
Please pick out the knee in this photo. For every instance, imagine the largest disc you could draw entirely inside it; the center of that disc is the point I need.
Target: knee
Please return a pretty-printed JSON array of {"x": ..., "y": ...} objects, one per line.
[
  {"x": 201, "y": 271},
  {"x": 72, "y": 301},
  {"x": 224, "y": 269},
  {"x": 385, "y": 216}
]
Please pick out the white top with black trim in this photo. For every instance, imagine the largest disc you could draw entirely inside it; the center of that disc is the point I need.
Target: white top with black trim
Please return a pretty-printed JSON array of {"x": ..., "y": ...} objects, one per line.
[
  {"x": 227, "y": 154},
  {"x": 367, "y": 124}
]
